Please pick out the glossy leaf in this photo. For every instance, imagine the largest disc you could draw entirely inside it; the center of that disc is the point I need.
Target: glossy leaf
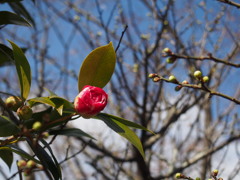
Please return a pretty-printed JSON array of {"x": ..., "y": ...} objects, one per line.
[
  {"x": 22, "y": 153},
  {"x": 7, "y": 156},
  {"x": 53, "y": 157},
  {"x": 98, "y": 67},
  {"x": 46, "y": 160},
  {"x": 23, "y": 70},
  {"x": 124, "y": 131},
  {"x": 7, "y": 17},
  {"x": 6, "y": 56},
  {"x": 74, "y": 132},
  {"x": 7, "y": 127},
  {"x": 18, "y": 8},
  {"x": 43, "y": 100},
  {"x": 57, "y": 102},
  {"x": 125, "y": 122}
]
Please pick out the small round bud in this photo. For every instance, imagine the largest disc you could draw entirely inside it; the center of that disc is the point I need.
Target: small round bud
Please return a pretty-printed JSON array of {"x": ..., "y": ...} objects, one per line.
[
  {"x": 198, "y": 178},
  {"x": 178, "y": 175},
  {"x": 24, "y": 112},
  {"x": 215, "y": 172},
  {"x": 185, "y": 82},
  {"x": 178, "y": 88},
  {"x": 197, "y": 74},
  {"x": 21, "y": 163},
  {"x": 205, "y": 79},
  {"x": 167, "y": 51},
  {"x": 152, "y": 75},
  {"x": 156, "y": 79},
  {"x": 31, "y": 164},
  {"x": 171, "y": 60},
  {"x": 172, "y": 78},
  {"x": 45, "y": 135},
  {"x": 13, "y": 102},
  {"x": 37, "y": 125},
  {"x": 210, "y": 179}
]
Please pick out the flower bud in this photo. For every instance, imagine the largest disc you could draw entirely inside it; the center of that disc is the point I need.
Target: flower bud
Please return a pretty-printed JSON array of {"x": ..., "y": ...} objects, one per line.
[
  {"x": 167, "y": 51},
  {"x": 156, "y": 79},
  {"x": 205, "y": 79},
  {"x": 24, "y": 112},
  {"x": 197, "y": 74},
  {"x": 152, "y": 75},
  {"x": 198, "y": 178},
  {"x": 31, "y": 164},
  {"x": 90, "y": 101},
  {"x": 171, "y": 60},
  {"x": 21, "y": 163},
  {"x": 179, "y": 176},
  {"x": 215, "y": 172},
  {"x": 45, "y": 135},
  {"x": 37, "y": 125},
  {"x": 185, "y": 82},
  {"x": 13, "y": 102},
  {"x": 178, "y": 88},
  {"x": 172, "y": 79}
]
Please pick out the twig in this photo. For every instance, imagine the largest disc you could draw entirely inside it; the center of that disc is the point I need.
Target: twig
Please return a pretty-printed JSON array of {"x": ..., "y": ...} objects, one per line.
[
  {"x": 209, "y": 57},
  {"x": 231, "y": 3},
  {"x": 121, "y": 38},
  {"x": 203, "y": 87}
]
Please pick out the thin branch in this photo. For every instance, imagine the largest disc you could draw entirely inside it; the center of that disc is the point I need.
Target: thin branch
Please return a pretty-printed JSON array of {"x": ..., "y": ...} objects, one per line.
[
  {"x": 203, "y": 87},
  {"x": 209, "y": 57},
  {"x": 121, "y": 38},
  {"x": 231, "y": 3}
]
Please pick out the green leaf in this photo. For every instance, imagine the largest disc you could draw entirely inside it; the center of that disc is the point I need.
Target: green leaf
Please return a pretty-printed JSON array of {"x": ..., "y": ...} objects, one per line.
[
  {"x": 43, "y": 100},
  {"x": 20, "y": 152},
  {"x": 54, "y": 158},
  {"x": 6, "y": 56},
  {"x": 125, "y": 122},
  {"x": 7, "y": 156},
  {"x": 23, "y": 70},
  {"x": 97, "y": 67},
  {"x": 60, "y": 104},
  {"x": 18, "y": 8},
  {"x": 71, "y": 132},
  {"x": 46, "y": 160},
  {"x": 12, "y": 18},
  {"x": 124, "y": 131},
  {"x": 7, "y": 127}
]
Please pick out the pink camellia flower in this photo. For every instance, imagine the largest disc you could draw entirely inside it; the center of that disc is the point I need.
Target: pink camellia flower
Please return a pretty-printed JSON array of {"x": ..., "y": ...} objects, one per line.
[{"x": 90, "y": 101}]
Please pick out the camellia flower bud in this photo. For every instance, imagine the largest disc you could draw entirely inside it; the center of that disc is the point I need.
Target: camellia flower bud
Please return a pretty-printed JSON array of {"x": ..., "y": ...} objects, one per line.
[
  {"x": 171, "y": 60},
  {"x": 152, "y": 75},
  {"x": 21, "y": 163},
  {"x": 90, "y": 101},
  {"x": 156, "y": 79},
  {"x": 178, "y": 88},
  {"x": 198, "y": 178},
  {"x": 172, "y": 79},
  {"x": 37, "y": 125},
  {"x": 205, "y": 79},
  {"x": 13, "y": 102},
  {"x": 197, "y": 74},
  {"x": 167, "y": 51},
  {"x": 24, "y": 112},
  {"x": 31, "y": 164},
  {"x": 215, "y": 172},
  {"x": 185, "y": 82},
  {"x": 179, "y": 176}
]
